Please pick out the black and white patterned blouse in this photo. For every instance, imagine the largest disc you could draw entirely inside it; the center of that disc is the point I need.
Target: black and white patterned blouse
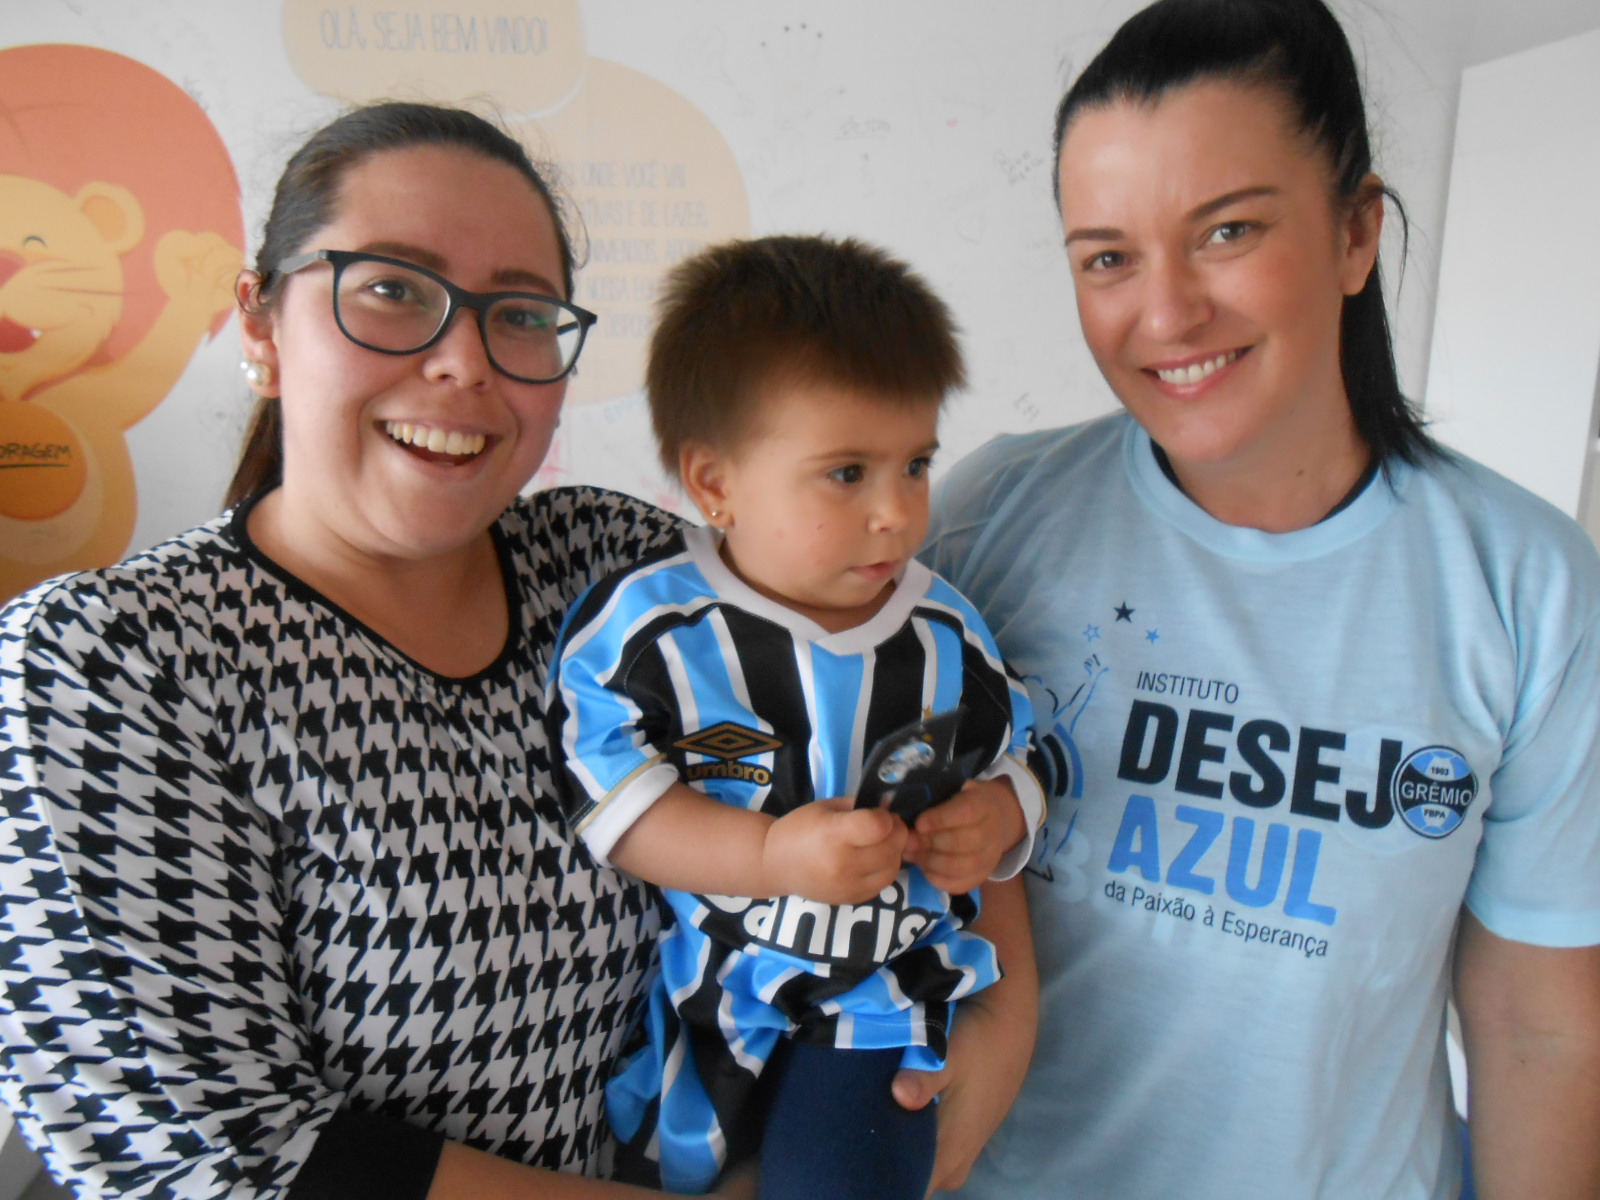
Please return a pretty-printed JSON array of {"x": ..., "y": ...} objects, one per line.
[{"x": 258, "y": 868}]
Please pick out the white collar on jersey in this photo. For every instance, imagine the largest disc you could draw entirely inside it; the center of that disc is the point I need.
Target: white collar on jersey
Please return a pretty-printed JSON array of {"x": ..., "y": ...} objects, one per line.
[{"x": 911, "y": 586}]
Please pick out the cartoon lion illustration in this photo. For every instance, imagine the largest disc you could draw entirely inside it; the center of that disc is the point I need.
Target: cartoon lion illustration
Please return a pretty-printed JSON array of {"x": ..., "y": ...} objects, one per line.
[{"x": 119, "y": 242}]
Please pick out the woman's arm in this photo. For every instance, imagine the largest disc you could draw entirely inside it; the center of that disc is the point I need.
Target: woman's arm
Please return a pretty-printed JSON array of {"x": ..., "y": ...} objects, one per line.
[
  {"x": 150, "y": 1023},
  {"x": 990, "y": 1045},
  {"x": 1530, "y": 1018},
  {"x": 467, "y": 1174},
  {"x": 153, "y": 1024}
]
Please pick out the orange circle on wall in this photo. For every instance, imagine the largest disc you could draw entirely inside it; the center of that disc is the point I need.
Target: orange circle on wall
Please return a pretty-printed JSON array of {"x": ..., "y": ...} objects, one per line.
[
  {"x": 72, "y": 115},
  {"x": 43, "y": 467}
]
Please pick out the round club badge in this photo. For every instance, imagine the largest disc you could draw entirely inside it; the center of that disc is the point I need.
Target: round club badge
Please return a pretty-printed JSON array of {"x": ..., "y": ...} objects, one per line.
[
  {"x": 1433, "y": 788},
  {"x": 905, "y": 760}
]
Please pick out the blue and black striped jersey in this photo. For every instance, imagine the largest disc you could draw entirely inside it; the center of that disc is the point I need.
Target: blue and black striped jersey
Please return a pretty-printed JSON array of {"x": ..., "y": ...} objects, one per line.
[{"x": 677, "y": 670}]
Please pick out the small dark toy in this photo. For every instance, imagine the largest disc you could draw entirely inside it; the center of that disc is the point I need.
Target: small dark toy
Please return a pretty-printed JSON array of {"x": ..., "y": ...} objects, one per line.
[{"x": 915, "y": 768}]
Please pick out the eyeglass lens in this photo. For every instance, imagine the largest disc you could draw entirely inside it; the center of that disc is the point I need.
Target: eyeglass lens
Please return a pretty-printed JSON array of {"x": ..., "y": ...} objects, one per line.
[{"x": 385, "y": 307}]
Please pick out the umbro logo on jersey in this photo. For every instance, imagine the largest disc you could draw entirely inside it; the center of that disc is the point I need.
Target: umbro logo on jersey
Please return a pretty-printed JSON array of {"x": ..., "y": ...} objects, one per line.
[{"x": 728, "y": 741}]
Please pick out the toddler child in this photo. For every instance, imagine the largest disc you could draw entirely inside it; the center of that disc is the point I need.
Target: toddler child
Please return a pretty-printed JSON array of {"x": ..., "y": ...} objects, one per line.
[{"x": 715, "y": 705}]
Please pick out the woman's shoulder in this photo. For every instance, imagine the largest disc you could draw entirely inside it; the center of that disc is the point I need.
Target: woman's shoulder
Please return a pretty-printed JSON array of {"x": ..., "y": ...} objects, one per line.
[
  {"x": 184, "y": 579},
  {"x": 1510, "y": 527},
  {"x": 1531, "y": 561},
  {"x": 562, "y": 540},
  {"x": 1084, "y": 438},
  {"x": 576, "y": 518},
  {"x": 1029, "y": 468}
]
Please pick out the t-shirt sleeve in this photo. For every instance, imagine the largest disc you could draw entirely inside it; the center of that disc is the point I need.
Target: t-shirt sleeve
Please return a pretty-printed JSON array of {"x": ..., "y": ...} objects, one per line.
[
  {"x": 153, "y": 1041},
  {"x": 610, "y": 767},
  {"x": 1536, "y": 879},
  {"x": 362, "y": 1154},
  {"x": 1019, "y": 765},
  {"x": 1016, "y": 760}
]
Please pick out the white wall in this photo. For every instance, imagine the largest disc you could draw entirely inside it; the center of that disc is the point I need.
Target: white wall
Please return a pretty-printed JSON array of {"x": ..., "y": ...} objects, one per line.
[
  {"x": 1516, "y": 348},
  {"x": 1496, "y": 28},
  {"x": 920, "y": 124}
]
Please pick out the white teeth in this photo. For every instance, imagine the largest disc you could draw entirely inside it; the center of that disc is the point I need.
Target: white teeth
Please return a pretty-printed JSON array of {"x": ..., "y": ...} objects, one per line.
[
  {"x": 1195, "y": 372},
  {"x": 438, "y": 441}
]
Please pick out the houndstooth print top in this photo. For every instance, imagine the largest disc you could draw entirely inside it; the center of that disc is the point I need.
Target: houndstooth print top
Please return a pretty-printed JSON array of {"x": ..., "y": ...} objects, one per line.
[{"x": 257, "y": 866}]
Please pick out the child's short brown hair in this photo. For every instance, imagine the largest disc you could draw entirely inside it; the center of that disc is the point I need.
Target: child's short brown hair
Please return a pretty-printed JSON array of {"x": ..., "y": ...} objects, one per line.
[{"x": 740, "y": 316}]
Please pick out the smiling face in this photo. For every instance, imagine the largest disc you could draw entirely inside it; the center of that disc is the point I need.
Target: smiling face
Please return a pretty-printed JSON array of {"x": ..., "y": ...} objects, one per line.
[
  {"x": 824, "y": 501},
  {"x": 409, "y": 456},
  {"x": 1211, "y": 265}
]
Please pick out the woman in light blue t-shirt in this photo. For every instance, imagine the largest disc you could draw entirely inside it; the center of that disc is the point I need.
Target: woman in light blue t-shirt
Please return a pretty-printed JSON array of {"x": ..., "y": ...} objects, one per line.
[{"x": 1322, "y": 699}]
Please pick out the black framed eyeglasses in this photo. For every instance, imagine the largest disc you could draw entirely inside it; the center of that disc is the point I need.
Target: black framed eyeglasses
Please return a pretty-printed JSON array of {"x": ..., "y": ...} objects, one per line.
[{"x": 396, "y": 307}]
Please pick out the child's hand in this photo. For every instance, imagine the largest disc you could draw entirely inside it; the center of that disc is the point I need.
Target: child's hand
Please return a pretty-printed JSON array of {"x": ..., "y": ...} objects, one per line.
[
  {"x": 958, "y": 844},
  {"x": 833, "y": 853}
]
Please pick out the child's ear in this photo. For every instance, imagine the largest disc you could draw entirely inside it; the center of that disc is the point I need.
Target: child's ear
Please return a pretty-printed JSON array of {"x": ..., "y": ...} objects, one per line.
[{"x": 704, "y": 474}]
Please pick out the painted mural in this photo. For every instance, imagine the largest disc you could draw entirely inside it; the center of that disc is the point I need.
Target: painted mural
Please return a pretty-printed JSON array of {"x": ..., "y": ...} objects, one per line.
[{"x": 120, "y": 236}]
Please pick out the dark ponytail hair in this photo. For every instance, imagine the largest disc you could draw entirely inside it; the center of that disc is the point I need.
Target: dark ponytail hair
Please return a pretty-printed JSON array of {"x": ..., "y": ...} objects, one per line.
[
  {"x": 307, "y": 199},
  {"x": 1297, "y": 48}
]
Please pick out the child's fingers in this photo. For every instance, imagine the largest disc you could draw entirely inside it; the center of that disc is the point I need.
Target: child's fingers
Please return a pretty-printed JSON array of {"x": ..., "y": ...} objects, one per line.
[
  {"x": 966, "y": 808},
  {"x": 871, "y": 827},
  {"x": 959, "y": 855},
  {"x": 838, "y": 803},
  {"x": 958, "y": 839},
  {"x": 833, "y": 856},
  {"x": 944, "y": 865},
  {"x": 957, "y": 885}
]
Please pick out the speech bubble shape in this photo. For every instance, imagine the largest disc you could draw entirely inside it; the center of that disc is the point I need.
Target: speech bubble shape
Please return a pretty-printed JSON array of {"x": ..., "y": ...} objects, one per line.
[
  {"x": 525, "y": 57},
  {"x": 654, "y": 182}
]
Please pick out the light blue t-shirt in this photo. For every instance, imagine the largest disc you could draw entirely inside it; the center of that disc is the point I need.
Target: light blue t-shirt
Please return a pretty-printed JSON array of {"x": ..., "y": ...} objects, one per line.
[{"x": 1281, "y": 762}]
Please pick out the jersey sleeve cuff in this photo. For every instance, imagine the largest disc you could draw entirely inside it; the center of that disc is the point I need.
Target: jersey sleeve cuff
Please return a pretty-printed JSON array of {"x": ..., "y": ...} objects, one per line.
[
  {"x": 365, "y": 1156},
  {"x": 1031, "y": 797},
  {"x": 615, "y": 815}
]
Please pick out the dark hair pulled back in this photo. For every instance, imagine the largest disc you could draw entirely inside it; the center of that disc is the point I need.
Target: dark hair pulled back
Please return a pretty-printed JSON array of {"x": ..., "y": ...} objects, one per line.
[
  {"x": 1297, "y": 48},
  {"x": 307, "y": 200}
]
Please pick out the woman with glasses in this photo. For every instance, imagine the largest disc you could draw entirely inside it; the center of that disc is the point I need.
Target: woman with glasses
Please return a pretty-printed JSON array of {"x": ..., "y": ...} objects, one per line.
[
  {"x": 287, "y": 910},
  {"x": 1326, "y": 697}
]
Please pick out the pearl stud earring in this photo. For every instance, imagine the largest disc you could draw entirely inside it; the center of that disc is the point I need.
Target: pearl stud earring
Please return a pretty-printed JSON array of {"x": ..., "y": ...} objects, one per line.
[{"x": 256, "y": 374}]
